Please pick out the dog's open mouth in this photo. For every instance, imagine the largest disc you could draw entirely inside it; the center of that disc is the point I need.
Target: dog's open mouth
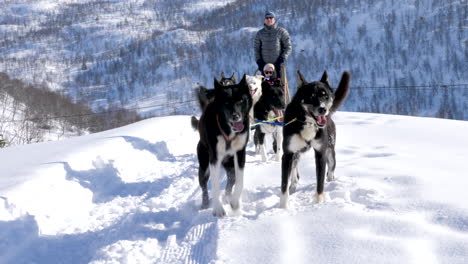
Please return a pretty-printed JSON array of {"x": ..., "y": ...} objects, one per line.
[
  {"x": 321, "y": 120},
  {"x": 237, "y": 126},
  {"x": 253, "y": 91},
  {"x": 278, "y": 113}
]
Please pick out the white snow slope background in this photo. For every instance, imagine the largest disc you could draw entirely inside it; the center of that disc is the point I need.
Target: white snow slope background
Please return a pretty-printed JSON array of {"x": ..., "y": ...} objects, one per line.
[{"x": 131, "y": 195}]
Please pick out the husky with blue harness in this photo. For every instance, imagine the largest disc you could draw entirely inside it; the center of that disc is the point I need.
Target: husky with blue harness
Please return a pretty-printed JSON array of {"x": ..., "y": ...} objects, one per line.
[{"x": 268, "y": 113}]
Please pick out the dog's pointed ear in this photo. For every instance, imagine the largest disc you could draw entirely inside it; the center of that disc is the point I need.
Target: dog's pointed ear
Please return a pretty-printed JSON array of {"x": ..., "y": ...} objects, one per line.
[
  {"x": 217, "y": 85},
  {"x": 300, "y": 80},
  {"x": 324, "y": 79},
  {"x": 243, "y": 83},
  {"x": 233, "y": 77},
  {"x": 222, "y": 75},
  {"x": 201, "y": 88},
  {"x": 220, "y": 91},
  {"x": 260, "y": 77},
  {"x": 203, "y": 95}
]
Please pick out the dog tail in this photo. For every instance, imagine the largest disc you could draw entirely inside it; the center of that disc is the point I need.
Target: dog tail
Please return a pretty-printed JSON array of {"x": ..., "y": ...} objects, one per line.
[
  {"x": 341, "y": 92},
  {"x": 194, "y": 121}
]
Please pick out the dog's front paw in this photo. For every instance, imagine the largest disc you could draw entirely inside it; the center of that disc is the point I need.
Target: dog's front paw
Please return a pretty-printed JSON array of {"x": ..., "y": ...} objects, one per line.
[
  {"x": 330, "y": 176},
  {"x": 278, "y": 157},
  {"x": 227, "y": 198},
  {"x": 284, "y": 201},
  {"x": 204, "y": 206},
  {"x": 218, "y": 211},
  {"x": 319, "y": 198},
  {"x": 292, "y": 188},
  {"x": 205, "y": 203},
  {"x": 263, "y": 153},
  {"x": 235, "y": 205}
]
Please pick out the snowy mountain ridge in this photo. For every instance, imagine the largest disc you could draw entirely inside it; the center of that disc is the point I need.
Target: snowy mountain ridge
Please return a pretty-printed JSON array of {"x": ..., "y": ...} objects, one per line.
[{"x": 152, "y": 53}]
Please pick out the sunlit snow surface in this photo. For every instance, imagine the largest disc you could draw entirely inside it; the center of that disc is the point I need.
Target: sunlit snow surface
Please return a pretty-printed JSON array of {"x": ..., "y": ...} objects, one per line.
[{"x": 131, "y": 195}]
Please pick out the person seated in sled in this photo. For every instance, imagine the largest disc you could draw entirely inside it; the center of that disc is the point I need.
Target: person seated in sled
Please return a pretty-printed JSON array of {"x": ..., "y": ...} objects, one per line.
[
  {"x": 269, "y": 74},
  {"x": 272, "y": 44}
]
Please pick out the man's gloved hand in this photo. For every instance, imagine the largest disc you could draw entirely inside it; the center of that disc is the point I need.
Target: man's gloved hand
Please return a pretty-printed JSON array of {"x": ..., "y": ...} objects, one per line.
[
  {"x": 280, "y": 60},
  {"x": 278, "y": 64},
  {"x": 260, "y": 64}
]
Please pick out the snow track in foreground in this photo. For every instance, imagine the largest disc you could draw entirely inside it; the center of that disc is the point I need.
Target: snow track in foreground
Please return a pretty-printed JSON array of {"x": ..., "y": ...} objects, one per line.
[{"x": 131, "y": 195}]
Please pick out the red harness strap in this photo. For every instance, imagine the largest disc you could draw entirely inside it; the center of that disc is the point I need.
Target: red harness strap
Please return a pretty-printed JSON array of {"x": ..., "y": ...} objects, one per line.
[{"x": 222, "y": 131}]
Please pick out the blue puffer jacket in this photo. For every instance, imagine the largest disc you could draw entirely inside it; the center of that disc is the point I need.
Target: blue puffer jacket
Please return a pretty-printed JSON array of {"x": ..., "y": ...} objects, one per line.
[{"x": 272, "y": 43}]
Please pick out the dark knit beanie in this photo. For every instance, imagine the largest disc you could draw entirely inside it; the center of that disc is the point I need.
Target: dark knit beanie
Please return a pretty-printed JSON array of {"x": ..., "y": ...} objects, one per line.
[{"x": 269, "y": 13}]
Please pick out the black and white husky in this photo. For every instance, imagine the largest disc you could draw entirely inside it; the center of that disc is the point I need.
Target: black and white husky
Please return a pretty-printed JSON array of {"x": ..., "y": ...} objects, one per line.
[
  {"x": 270, "y": 106},
  {"x": 224, "y": 132},
  {"x": 311, "y": 127},
  {"x": 206, "y": 95}
]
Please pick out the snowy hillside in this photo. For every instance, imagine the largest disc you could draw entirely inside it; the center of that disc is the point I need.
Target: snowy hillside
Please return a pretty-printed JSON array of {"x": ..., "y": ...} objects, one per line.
[
  {"x": 131, "y": 195},
  {"x": 30, "y": 114},
  {"x": 150, "y": 53}
]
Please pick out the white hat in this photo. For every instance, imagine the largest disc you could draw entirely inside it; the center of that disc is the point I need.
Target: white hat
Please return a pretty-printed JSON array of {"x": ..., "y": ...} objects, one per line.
[{"x": 269, "y": 65}]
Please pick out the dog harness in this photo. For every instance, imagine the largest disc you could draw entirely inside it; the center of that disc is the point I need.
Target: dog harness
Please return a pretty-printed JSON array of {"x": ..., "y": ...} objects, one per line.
[
  {"x": 226, "y": 137},
  {"x": 259, "y": 122}
]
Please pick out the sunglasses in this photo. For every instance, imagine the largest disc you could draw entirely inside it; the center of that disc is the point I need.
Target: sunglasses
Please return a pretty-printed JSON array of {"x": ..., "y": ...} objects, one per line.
[
  {"x": 268, "y": 72},
  {"x": 269, "y": 17}
]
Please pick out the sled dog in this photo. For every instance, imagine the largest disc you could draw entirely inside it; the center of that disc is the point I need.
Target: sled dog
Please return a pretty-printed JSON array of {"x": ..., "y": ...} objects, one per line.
[
  {"x": 270, "y": 106},
  {"x": 255, "y": 87},
  {"x": 310, "y": 113},
  {"x": 224, "y": 81},
  {"x": 224, "y": 131},
  {"x": 206, "y": 95}
]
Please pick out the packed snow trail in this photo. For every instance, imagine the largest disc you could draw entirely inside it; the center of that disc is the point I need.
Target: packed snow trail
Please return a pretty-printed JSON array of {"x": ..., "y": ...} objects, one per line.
[{"x": 131, "y": 195}]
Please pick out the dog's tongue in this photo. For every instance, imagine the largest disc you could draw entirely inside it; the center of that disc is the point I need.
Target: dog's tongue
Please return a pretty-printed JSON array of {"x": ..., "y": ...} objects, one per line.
[
  {"x": 238, "y": 126},
  {"x": 253, "y": 91},
  {"x": 279, "y": 113},
  {"x": 322, "y": 120}
]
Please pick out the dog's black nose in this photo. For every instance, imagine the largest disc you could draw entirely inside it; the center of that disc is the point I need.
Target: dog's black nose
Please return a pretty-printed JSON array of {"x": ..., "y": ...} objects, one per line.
[
  {"x": 322, "y": 110},
  {"x": 236, "y": 116}
]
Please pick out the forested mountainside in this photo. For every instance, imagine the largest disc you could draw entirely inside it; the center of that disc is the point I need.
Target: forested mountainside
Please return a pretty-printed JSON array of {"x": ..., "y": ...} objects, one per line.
[
  {"x": 405, "y": 57},
  {"x": 30, "y": 114}
]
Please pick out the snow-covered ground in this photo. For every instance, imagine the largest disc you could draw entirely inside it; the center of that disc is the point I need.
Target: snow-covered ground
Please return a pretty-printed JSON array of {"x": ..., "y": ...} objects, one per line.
[{"x": 131, "y": 195}]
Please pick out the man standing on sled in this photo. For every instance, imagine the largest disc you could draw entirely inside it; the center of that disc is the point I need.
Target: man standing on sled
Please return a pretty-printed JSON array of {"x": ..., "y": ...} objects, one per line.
[{"x": 272, "y": 45}]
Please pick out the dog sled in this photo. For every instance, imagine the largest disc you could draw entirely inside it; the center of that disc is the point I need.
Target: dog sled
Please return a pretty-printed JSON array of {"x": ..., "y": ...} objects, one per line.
[{"x": 284, "y": 80}]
